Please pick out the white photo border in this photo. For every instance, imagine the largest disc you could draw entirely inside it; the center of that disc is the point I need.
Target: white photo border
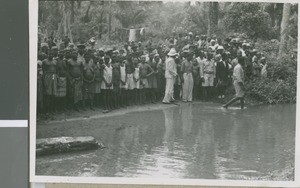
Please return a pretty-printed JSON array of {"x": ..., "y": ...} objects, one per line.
[{"x": 33, "y": 37}]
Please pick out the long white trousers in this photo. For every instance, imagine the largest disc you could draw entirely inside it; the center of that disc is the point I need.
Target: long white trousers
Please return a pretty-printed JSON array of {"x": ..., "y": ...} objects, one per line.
[
  {"x": 187, "y": 87},
  {"x": 169, "y": 92}
]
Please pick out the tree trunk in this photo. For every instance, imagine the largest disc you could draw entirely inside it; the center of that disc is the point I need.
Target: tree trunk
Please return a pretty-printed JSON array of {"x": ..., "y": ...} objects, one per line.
[
  {"x": 272, "y": 15},
  {"x": 215, "y": 11},
  {"x": 208, "y": 19},
  {"x": 213, "y": 17},
  {"x": 66, "y": 20},
  {"x": 278, "y": 15},
  {"x": 109, "y": 24},
  {"x": 69, "y": 27},
  {"x": 284, "y": 28},
  {"x": 72, "y": 12},
  {"x": 58, "y": 145}
]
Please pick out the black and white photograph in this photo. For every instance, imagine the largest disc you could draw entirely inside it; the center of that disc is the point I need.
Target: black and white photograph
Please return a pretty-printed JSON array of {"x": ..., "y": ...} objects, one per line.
[{"x": 164, "y": 90}]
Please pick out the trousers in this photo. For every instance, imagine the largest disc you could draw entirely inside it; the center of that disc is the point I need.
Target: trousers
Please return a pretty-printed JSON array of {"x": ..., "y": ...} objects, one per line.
[
  {"x": 187, "y": 87},
  {"x": 169, "y": 92}
]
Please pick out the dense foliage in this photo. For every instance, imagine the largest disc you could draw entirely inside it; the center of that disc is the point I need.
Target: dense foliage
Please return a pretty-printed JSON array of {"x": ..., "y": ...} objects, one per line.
[
  {"x": 105, "y": 19},
  {"x": 249, "y": 18},
  {"x": 280, "y": 84}
]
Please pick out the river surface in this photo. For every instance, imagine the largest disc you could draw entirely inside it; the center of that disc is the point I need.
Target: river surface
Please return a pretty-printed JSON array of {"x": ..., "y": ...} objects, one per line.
[{"x": 198, "y": 140}]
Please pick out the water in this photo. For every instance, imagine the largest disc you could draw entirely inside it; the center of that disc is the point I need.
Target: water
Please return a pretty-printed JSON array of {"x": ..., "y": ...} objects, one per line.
[{"x": 188, "y": 141}]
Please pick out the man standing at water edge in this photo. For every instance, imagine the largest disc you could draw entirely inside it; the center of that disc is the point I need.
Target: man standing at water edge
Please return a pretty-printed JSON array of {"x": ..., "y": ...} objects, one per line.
[
  {"x": 188, "y": 82},
  {"x": 170, "y": 75},
  {"x": 238, "y": 82}
]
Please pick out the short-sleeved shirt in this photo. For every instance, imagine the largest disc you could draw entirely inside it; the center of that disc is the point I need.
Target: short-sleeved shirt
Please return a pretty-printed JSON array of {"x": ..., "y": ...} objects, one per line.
[
  {"x": 208, "y": 67},
  {"x": 238, "y": 73}
]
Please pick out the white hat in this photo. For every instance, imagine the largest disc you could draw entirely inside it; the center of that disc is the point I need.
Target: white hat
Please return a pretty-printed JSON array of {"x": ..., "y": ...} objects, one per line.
[
  {"x": 172, "y": 52},
  {"x": 190, "y": 33},
  {"x": 93, "y": 39},
  {"x": 220, "y": 48}
]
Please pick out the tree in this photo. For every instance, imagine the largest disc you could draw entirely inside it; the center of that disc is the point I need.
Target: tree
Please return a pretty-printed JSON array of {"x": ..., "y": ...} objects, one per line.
[
  {"x": 213, "y": 17},
  {"x": 130, "y": 13},
  {"x": 248, "y": 18},
  {"x": 284, "y": 28},
  {"x": 275, "y": 12}
]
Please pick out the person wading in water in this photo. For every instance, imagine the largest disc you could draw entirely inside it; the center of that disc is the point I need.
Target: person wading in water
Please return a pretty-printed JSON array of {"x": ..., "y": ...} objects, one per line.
[{"x": 238, "y": 82}]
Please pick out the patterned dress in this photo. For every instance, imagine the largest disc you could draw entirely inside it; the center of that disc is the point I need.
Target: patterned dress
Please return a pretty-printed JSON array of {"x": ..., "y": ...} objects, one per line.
[
  {"x": 50, "y": 77},
  {"x": 62, "y": 78},
  {"x": 152, "y": 79}
]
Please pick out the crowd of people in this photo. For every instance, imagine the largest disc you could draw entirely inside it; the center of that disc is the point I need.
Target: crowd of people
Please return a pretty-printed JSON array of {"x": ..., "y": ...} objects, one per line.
[{"x": 184, "y": 67}]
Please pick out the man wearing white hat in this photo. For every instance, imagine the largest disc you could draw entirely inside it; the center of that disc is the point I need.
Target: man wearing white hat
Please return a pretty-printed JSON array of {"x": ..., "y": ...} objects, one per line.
[{"x": 170, "y": 74}]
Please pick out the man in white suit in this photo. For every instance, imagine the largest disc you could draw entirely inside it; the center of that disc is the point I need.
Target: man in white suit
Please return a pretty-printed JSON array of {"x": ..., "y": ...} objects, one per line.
[{"x": 170, "y": 75}]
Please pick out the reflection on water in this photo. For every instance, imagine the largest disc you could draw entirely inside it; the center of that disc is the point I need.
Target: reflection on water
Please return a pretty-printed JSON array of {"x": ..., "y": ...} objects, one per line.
[{"x": 187, "y": 141}]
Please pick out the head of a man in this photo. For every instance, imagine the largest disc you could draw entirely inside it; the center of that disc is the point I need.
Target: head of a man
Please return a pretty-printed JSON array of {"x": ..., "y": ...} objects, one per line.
[
  {"x": 239, "y": 53},
  {"x": 60, "y": 54},
  {"x": 189, "y": 56},
  {"x": 209, "y": 56},
  {"x": 224, "y": 56},
  {"x": 218, "y": 57},
  {"x": 156, "y": 58},
  {"x": 143, "y": 59},
  {"x": 106, "y": 59},
  {"x": 54, "y": 51},
  {"x": 81, "y": 49},
  {"x": 263, "y": 60},
  {"x": 74, "y": 55},
  {"x": 87, "y": 56},
  {"x": 50, "y": 55},
  {"x": 135, "y": 61}
]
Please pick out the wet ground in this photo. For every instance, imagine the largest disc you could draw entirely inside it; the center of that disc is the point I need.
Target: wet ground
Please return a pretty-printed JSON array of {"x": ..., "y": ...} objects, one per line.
[{"x": 195, "y": 140}]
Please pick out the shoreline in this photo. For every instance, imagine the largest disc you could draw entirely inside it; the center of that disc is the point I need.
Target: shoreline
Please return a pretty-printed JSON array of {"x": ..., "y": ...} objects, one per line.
[{"x": 70, "y": 116}]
